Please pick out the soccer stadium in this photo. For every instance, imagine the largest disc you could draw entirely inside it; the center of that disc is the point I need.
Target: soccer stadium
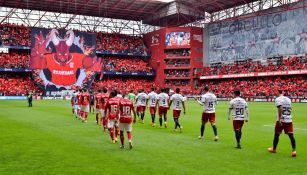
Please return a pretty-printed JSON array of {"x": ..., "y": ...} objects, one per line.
[{"x": 153, "y": 87}]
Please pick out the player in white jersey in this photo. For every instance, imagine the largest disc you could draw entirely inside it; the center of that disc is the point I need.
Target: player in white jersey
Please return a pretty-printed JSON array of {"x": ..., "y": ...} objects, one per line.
[
  {"x": 240, "y": 113},
  {"x": 283, "y": 122},
  {"x": 163, "y": 101},
  {"x": 208, "y": 101},
  {"x": 152, "y": 99},
  {"x": 141, "y": 103},
  {"x": 178, "y": 103}
]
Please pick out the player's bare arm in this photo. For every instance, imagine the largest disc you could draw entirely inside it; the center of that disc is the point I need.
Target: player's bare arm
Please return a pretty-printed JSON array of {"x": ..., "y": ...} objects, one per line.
[
  {"x": 134, "y": 115},
  {"x": 229, "y": 112},
  {"x": 183, "y": 106},
  {"x": 279, "y": 108},
  {"x": 246, "y": 115}
]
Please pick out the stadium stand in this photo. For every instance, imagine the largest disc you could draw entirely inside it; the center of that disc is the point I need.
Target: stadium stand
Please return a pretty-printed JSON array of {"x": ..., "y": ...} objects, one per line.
[
  {"x": 15, "y": 35},
  {"x": 123, "y": 64},
  {"x": 17, "y": 84},
  {"x": 14, "y": 60},
  {"x": 120, "y": 44},
  {"x": 248, "y": 66},
  {"x": 177, "y": 73}
]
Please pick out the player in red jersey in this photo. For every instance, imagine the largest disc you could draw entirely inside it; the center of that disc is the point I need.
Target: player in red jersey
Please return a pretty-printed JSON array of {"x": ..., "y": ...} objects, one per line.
[
  {"x": 85, "y": 104},
  {"x": 98, "y": 104},
  {"x": 79, "y": 96},
  {"x": 72, "y": 101},
  {"x": 113, "y": 114},
  {"x": 125, "y": 120},
  {"x": 105, "y": 98}
]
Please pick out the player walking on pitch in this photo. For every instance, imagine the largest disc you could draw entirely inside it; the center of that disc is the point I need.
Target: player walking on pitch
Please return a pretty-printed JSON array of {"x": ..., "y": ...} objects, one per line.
[
  {"x": 85, "y": 101},
  {"x": 240, "y": 113},
  {"x": 125, "y": 120},
  {"x": 98, "y": 104},
  {"x": 112, "y": 109},
  {"x": 141, "y": 100},
  {"x": 163, "y": 107},
  {"x": 178, "y": 104},
  {"x": 283, "y": 122},
  {"x": 152, "y": 98},
  {"x": 208, "y": 101}
]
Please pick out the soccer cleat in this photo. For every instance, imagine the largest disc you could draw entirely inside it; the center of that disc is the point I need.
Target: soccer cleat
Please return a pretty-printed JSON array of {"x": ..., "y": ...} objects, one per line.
[
  {"x": 293, "y": 154},
  {"x": 238, "y": 146},
  {"x": 142, "y": 121},
  {"x": 113, "y": 141},
  {"x": 180, "y": 129},
  {"x": 130, "y": 145},
  {"x": 165, "y": 126},
  {"x": 116, "y": 140},
  {"x": 200, "y": 137},
  {"x": 122, "y": 147},
  {"x": 152, "y": 124},
  {"x": 161, "y": 127},
  {"x": 174, "y": 130},
  {"x": 216, "y": 138},
  {"x": 271, "y": 150}
]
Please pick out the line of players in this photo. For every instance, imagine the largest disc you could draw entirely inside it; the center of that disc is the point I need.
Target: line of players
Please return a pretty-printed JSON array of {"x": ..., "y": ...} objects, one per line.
[{"x": 116, "y": 112}]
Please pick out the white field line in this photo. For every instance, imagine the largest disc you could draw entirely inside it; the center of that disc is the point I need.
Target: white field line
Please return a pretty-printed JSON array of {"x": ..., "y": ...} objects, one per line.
[{"x": 272, "y": 126}]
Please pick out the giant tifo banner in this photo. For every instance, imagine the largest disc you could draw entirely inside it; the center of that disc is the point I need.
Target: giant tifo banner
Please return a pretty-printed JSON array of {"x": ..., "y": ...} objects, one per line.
[
  {"x": 269, "y": 35},
  {"x": 63, "y": 59}
]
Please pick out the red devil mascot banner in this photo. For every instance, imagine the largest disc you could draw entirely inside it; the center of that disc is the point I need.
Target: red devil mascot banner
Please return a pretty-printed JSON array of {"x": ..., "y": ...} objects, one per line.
[{"x": 63, "y": 59}]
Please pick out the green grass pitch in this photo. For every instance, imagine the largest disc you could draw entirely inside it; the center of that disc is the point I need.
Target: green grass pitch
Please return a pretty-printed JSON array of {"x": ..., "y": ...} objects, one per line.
[{"x": 46, "y": 139}]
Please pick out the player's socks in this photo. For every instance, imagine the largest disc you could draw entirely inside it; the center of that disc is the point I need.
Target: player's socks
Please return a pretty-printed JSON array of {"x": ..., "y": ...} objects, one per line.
[
  {"x": 142, "y": 116},
  {"x": 97, "y": 119},
  {"x": 86, "y": 115},
  {"x": 160, "y": 121},
  {"x": 152, "y": 118},
  {"x": 111, "y": 130},
  {"x": 214, "y": 130},
  {"x": 129, "y": 134},
  {"x": 237, "y": 133},
  {"x": 122, "y": 137},
  {"x": 202, "y": 130},
  {"x": 293, "y": 143},
  {"x": 275, "y": 141},
  {"x": 73, "y": 111},
  {"x": 165, "y": 121},
  {"x": 116, "y": 132}
]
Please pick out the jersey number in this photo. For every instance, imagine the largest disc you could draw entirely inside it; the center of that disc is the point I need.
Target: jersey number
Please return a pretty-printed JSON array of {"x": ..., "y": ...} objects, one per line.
[
  {"x": 126, "y": 110},
  {"x": 286, "y": 111},
  {"x": 114, "y": 108},
  {"x": 210, "y": 104},
  {"x": 239, "y": 111}
]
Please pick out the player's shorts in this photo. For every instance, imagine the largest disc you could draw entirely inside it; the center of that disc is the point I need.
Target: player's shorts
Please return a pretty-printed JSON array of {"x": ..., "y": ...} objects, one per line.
[
  {"x": 287, "y": 127},
  {"x": 162, "y": 110},
  {"x": 76, "y": 106},
  {"x": 85, "y": 108},
  {"x": 237, "y": 124},
  {"x": 208, "y": 117},
  {"x": 92, "y": 103},
  {"x": 176, "y": 113},
  {"x": 125, "y": 126},
  {"x": 112, "y": 123},
  {"x": 152, "y": 110},
  {"x": 98, "y": 111},
  {"x": 141, "y": 109}
]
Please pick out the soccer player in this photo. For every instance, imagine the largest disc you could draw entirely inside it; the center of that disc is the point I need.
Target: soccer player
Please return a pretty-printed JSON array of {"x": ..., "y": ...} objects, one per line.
[
  {"x": 85, "y": 105},
  {"x": 125, "y": 120},
  {"x": 240, "y": 113},
  {"x": 98, "y": 104},
  {"x": 79, "y": 98},
  {"x": 284, "y": 122},
  {"x": 103, "y": 119},
  {"x": 131, "y": 96},
  {"x": 152, "y": 98},
  {"x": 141, "y": 100},
  {"x": 163, "y": 107},
  {"x": 76, "y": 106},
  {"x": 112, "y": 109},
  {"x": 92, "y": 101},
  {"x": 178, "y": 100},
  {"x": 208, "y": 101},
  {"x": 72, "y": 101}
]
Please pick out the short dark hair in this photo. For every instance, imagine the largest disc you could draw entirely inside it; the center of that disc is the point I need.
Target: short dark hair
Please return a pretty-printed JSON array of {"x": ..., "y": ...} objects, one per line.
[
  {"x": 131, "y": 91},
  {"x": 113, "y": 93},
  {"x": 206, "y": 88},
  {"x": 99, "y": 90},
  {"x": 237, "y": 92},
  {"x": 104, "y": 90},
  {"x": 153, "y": 89},
  {"x": 84, "y": 90},
  {"x": 177, "y": 90},
  {"x": 280, "y": 91}
]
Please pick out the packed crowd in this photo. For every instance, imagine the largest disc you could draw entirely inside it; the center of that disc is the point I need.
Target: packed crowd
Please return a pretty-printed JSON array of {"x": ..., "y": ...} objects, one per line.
[
  {"x": 15, "y": 35},
  {"x": 172, "y": 83},
  {"x": 177, "y": 73},
  {"x": 177, "y": 63},
  {"x": 247, "y": 66},
  {"x": 14, "y": 60},
  {"x": 16, "y": 85},
  {"x": 177, "y": 52},
  {"x": 121, "y": 44},
  {"x": 124, "y": 85},
  {"x": 126, "y": 65},
  {"x": 295, "y": 86}
]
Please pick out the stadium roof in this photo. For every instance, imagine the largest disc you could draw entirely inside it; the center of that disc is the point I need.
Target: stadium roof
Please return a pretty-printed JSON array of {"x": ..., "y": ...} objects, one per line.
[{"x": 152, "y": 12}]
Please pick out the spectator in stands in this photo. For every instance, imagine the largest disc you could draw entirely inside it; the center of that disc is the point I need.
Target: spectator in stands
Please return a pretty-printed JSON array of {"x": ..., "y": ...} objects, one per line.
[
  {"x": 14, "y": 60},
  {"x": 131, "y": 65}
]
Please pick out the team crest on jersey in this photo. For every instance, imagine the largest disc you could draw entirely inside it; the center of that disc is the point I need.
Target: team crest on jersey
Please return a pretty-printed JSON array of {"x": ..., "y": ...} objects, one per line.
[{"x": 71, "y": 65}]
